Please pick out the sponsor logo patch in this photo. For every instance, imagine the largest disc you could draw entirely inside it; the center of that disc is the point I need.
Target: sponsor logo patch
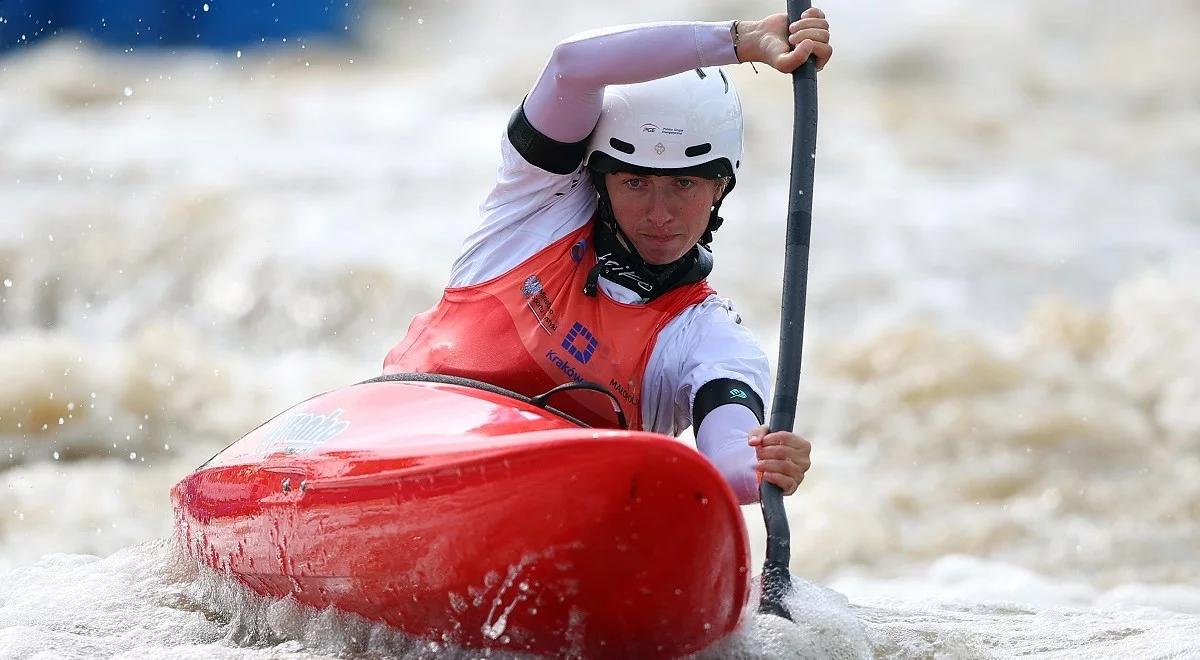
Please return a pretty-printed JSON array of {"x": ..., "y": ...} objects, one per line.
[
  {"x": 580, "y": 343},
  {"x": 564, "y": 366},
  {"x": 539, "y": 303},
  {"x": 623, "y": 391},
  {"x": 531, "y": 287}
]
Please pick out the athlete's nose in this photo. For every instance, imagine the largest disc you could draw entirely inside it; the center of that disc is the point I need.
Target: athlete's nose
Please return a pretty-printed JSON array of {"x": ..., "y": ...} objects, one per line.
[{"x": 660, "y": 212}]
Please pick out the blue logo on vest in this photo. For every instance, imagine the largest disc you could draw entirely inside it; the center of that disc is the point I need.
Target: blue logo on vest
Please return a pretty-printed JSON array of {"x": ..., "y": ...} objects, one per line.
[
  {"x": 577, "y": 250},
  {"x": 580, "y": 335}
]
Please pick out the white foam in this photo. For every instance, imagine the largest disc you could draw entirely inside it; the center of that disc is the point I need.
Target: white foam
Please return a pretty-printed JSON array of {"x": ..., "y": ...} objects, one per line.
[{"x": 1002, "y": 356}]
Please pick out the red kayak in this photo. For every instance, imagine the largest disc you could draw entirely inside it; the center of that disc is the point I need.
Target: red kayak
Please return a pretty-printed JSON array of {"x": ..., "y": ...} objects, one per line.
[{"x": 456, "y": 511}]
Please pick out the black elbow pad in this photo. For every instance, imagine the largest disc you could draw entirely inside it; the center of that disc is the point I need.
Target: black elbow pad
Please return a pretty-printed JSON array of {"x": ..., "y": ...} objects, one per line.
[
  {"x": 541, "y": 151},
  {"x": 716, "y": 393}
]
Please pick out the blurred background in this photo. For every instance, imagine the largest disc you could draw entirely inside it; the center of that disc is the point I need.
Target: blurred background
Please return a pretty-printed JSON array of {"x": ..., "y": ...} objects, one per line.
[{"x": 211, "y": 210}]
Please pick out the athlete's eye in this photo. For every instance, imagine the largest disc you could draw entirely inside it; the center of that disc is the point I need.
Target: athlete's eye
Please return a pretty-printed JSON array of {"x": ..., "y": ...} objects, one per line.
[
  {"x": 685, "y": 184},
  {"x": 635, "y": 183}
]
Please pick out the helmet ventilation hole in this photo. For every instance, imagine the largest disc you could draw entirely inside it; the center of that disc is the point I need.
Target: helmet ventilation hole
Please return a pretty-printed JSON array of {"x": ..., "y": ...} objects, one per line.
[
  {"x": 698, "y": 150},
  {"x": 621, "y": 145}
]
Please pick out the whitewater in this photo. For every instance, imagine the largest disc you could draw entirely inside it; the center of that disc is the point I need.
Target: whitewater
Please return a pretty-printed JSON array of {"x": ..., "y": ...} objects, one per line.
[{"x": 1002, "y": 355}]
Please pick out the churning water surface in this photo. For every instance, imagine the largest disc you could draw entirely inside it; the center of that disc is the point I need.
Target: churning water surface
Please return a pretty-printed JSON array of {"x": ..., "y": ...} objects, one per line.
[{"x": 1002, "y": 363}]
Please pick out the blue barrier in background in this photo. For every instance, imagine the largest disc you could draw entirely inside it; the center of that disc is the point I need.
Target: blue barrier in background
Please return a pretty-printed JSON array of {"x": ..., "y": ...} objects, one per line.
[{"x": 177, "y": 23}]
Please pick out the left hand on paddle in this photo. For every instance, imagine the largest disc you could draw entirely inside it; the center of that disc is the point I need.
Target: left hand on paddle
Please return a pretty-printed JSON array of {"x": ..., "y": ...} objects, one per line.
[
  {"x": 784, "y": 46},
  {"x": 783, "y": 457}
]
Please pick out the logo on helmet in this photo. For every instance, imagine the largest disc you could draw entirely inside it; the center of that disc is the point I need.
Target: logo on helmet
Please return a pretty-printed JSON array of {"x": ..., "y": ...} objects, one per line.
[
  {"x": 649, "y": 128},
  {"x": 659, "y": 148}
]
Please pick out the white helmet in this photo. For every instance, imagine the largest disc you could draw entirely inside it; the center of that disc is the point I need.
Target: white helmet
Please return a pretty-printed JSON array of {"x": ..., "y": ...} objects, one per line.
[{"x": 688, "y": 123}]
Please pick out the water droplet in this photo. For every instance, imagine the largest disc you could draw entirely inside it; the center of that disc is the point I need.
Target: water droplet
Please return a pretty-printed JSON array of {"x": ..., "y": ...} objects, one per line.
[
  {"x": 420, "y": 21},
  {"x": 56, "y": 456},
  {"x": 128, "y": 91},
  {"x": 7, "y": 283},
  {"x": 132, "y": 455},
  {"x": 238, "y": 55},
  {"x": 204, "y": 6}
]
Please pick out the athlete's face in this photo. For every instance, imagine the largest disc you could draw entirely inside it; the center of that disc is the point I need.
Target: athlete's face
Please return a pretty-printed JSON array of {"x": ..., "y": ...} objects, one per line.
[{"x": 664, "y": 216}]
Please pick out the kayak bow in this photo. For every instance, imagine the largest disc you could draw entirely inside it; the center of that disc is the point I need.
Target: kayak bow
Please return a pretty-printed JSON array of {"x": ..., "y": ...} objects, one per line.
[{"x": 457, "y": 512}]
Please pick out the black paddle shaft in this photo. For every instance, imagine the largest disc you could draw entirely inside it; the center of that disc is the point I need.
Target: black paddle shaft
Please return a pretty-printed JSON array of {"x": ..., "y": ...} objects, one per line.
[{"x": 776, "y": 578}]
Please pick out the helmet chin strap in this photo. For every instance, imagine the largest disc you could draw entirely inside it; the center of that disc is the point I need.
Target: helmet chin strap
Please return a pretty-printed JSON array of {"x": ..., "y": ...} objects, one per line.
[{"x": 618, "y": 261}]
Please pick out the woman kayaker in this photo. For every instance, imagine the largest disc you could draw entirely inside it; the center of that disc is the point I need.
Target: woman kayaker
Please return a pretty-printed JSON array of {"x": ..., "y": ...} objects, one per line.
[{"x": 591, "y": 258}]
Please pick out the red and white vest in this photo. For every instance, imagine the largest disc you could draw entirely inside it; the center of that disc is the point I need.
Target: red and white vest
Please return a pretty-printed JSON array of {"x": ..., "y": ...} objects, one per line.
[{"x": 533, "y": 328}]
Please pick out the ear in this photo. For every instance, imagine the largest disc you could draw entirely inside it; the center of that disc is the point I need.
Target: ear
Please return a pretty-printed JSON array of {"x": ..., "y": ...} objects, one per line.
[{"x": 719, "y": 190}]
